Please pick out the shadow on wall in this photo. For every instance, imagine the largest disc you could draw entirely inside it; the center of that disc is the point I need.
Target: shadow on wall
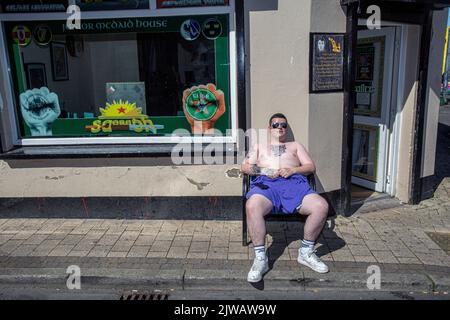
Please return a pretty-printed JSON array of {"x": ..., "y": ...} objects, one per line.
[
  {"x": 89, "y": 162},
  {"x": 139, "y": 208},
  {"x": 442, "y": 164},
  {"x": 253, "y": 5}
]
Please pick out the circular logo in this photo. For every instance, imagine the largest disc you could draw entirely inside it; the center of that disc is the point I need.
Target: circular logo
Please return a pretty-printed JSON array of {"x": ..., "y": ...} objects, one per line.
[
  {"x": 42, "y": 35},
  {"x": 190, "y": 29},
  {"x": 21, "y": 35},
  {"x": 212, "y": 29},
  {"x": 201, "y": 104}
]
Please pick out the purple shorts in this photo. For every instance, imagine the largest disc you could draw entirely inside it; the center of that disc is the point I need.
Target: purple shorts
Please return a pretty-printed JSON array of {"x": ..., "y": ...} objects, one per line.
[{"x": 286, "y": 195}]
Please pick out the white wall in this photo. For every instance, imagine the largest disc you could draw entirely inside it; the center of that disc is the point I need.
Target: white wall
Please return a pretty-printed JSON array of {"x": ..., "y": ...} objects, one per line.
[
  {"x": 326, "y": 109},
  {"x": 407, "y": 110}
]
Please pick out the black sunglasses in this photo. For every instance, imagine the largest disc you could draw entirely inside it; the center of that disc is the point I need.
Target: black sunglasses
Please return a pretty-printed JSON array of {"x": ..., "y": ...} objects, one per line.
[{"x": 277, "y": 124}]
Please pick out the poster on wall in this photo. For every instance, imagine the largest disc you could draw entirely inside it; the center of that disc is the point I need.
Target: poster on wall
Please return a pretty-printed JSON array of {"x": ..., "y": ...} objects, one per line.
[
  {"x": 365, "y": 60},
  {"x": 163, "y": 4},
  {"x": 91, "y": 5},
  {"x": 17, "y": 6},
  {"x": 326, "y": 62},
  {"x": 369, "y": 76}
]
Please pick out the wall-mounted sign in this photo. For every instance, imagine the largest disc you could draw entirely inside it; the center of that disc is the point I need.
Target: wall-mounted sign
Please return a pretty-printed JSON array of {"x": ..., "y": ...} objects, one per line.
[
  {"x": 162, "y": 4},
  {"x": 91, "y": 5},
  {"x": 21, "y": 35},
  {"x": 190, "y": 29},
  {"x": 326, "y": 62},
  {"x": 212, "y": 29},
  {"x": 42, "y": 35},
  {"x": 16, "y": 6}
]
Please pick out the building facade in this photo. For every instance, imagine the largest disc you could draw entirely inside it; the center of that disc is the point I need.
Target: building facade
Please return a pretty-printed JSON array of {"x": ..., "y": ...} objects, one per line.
[{"x": 147, "y": 103}]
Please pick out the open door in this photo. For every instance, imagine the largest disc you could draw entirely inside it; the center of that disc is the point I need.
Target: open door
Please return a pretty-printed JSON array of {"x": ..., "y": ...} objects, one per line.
[{"x": 373, "y": 86}]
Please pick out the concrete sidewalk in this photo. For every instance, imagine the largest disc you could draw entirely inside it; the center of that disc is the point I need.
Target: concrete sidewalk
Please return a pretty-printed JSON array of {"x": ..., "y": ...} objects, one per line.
[
  {"x": 409, "y": 244},
  {"x": 401, "y": 235}
]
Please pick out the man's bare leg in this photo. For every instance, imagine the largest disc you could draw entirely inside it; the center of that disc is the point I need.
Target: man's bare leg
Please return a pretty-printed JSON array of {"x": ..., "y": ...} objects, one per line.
[
  {"x": 316, "y": 208},
  {"x": 257, "y": 207}
]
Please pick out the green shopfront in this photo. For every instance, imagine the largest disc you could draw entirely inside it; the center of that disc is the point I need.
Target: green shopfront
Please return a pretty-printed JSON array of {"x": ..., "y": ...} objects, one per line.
[
  {"x": 118, "y": 78},
  {"x": 114, "y": 85}
]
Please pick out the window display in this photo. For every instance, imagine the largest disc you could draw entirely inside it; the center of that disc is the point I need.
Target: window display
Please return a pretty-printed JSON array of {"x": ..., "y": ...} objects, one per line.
[{"x": 120, "y": 77}]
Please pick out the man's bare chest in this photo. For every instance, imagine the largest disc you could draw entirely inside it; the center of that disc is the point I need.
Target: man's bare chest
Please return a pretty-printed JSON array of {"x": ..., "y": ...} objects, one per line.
[{"x": 282, "y": 154}]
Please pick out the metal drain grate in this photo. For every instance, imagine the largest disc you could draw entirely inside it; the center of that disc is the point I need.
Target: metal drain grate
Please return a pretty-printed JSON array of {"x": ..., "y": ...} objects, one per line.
[
  {"x": 144, "y": 295},
  {"x": 441, "y": 239}
]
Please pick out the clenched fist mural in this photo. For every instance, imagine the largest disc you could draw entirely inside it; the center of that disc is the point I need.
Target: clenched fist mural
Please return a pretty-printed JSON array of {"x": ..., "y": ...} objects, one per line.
[
  {"x": 203, "y": 105},
  {"x": 40, "y": 108}
]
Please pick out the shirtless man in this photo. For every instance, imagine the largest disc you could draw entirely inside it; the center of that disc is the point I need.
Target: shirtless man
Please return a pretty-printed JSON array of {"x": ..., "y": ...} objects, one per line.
[{"x": 281, "y": 185}]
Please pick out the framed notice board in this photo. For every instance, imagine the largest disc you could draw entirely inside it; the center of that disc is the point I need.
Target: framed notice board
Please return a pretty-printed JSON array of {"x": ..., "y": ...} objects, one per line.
[{"x": 326, "y": 62}]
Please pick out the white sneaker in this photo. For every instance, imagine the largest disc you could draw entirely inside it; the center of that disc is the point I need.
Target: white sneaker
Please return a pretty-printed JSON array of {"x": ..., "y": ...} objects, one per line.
[
  {"x": 310, "y": 259},
  {"x": 259, "y": 268}
]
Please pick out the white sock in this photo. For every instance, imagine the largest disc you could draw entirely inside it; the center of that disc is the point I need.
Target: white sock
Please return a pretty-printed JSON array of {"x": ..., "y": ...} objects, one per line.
[
  {"x": 306, "y": 246},
  {"x": 260, "y": 252}
]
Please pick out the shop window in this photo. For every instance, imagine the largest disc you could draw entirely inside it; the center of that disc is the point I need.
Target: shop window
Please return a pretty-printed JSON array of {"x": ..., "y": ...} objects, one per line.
[{"x": 120, "y": 77}]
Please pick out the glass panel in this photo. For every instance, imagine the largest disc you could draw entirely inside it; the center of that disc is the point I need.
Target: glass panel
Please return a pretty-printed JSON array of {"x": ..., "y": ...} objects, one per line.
[
  {"x": 120, "y": 77},
  {"x": 365, "y": 152},
  {"x": 369, "y": 76}
]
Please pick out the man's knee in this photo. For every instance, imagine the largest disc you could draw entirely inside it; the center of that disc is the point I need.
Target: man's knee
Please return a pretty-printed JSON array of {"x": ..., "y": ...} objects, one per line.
[
  {"x": 252, "y": 207},
  {"x": 317, "y": 206},
  {"x": 256, "y": 207},
  {"x": 322, "y": 206}
]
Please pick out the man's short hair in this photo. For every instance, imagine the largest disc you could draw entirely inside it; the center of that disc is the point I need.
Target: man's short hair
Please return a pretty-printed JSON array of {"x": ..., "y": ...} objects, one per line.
[{"x": 277, "y": 115}]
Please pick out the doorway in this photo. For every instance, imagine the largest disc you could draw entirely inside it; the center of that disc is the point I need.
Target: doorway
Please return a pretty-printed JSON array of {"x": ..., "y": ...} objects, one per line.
[{"x": 376, "y": 68}]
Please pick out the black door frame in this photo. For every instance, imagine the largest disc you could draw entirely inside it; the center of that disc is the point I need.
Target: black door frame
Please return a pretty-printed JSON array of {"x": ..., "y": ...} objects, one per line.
[
  {"x": 422, "y": 14},
  {"x": 345, "y": 199}
]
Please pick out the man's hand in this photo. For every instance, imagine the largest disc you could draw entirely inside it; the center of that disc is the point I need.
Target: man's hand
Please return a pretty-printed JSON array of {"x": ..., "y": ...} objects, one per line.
[
  {"x": 254, "y": 170},
  {"x": 287, "y": 172},
  {"x": 271, "y": 173},
  {"x": 248, "y": 168}
]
